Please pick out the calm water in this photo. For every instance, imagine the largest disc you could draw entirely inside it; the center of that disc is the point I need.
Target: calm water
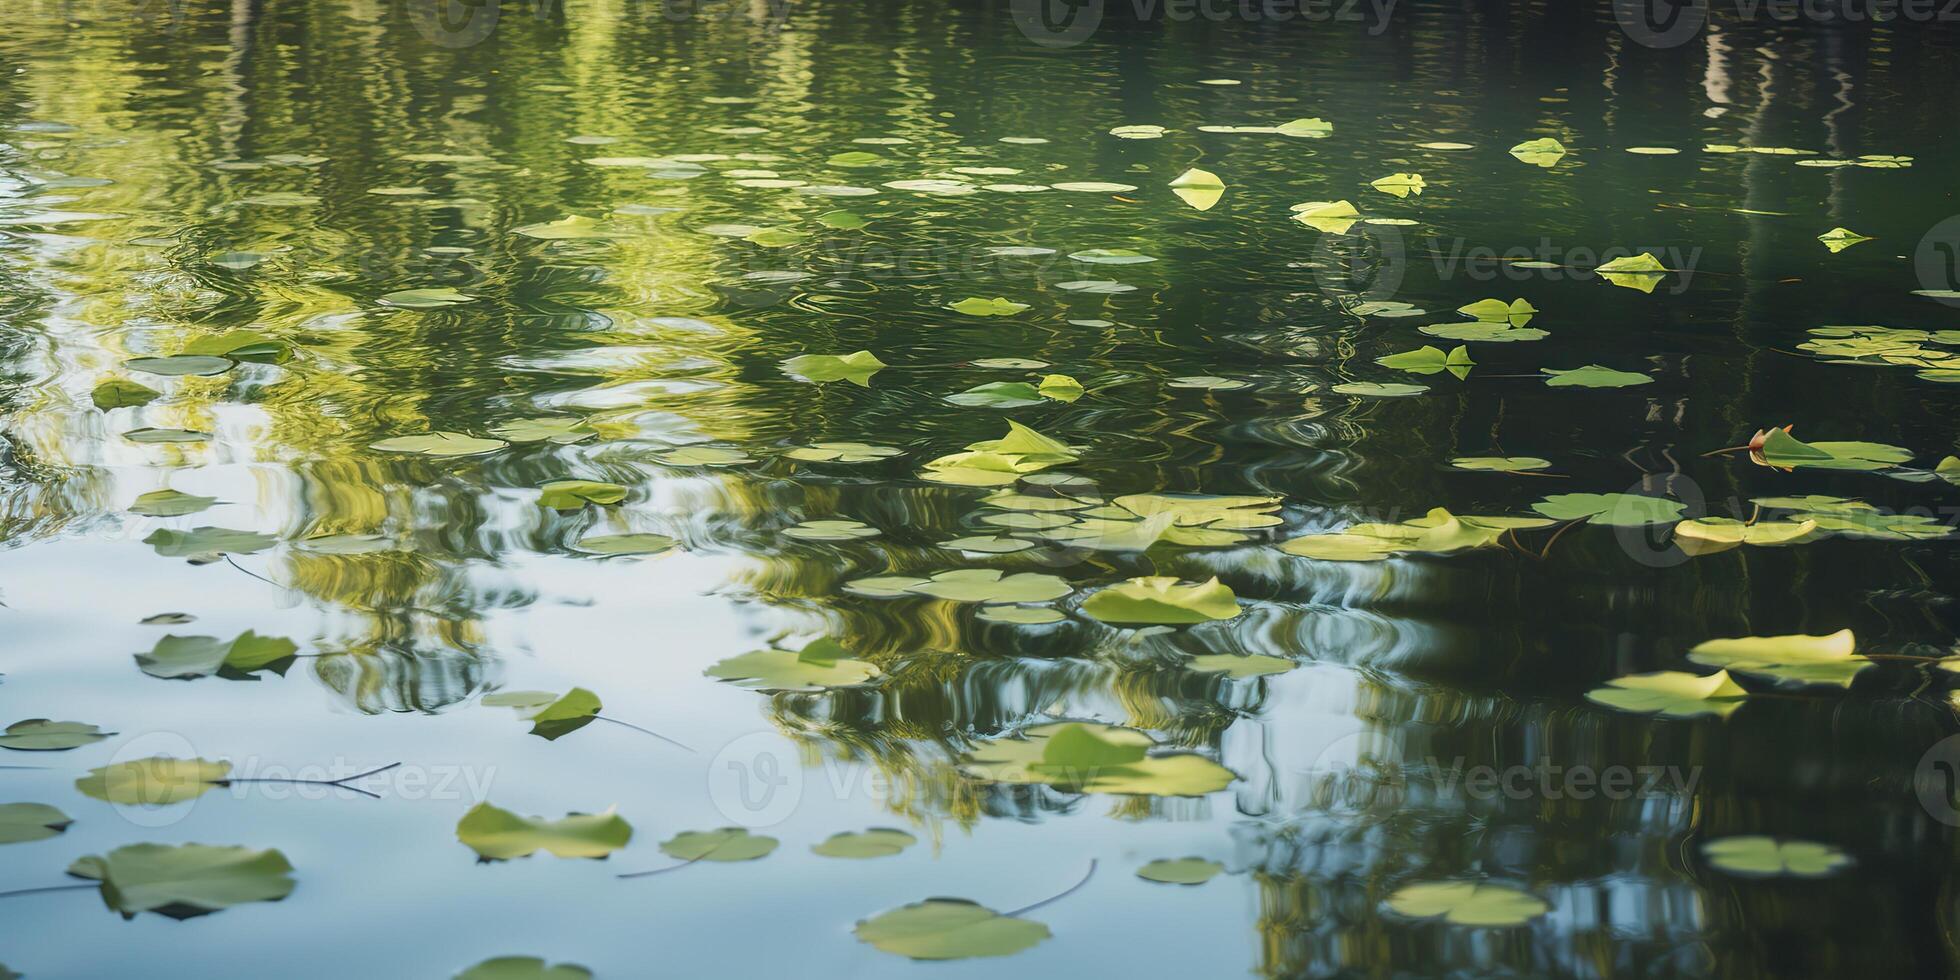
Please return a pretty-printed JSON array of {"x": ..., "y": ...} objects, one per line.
[{"x": 279, "y": 167}]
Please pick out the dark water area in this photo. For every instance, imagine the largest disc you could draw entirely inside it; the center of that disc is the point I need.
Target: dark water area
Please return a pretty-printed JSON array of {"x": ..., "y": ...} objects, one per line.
[{"x": 597, "y": 237}]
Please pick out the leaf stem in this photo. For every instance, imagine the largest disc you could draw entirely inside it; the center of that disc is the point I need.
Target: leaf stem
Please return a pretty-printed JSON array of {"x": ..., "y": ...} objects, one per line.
[
  {"x": 340, "y": 783},
  {"x": 644, "y": 731},
  {"x": 675, "y": 867},
  {"x": 1072, "y": 889},
  {"x": 50, "y": 888}
]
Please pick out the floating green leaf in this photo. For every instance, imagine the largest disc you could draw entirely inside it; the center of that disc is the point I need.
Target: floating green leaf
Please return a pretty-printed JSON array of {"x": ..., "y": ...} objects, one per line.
[
  {"x": 725, "y": 844},
  {"x": 842, "y": 452},
  {"x": 1437, "y": 532},
  {"x": 558, "y": 430},
  {"x": 1206, "y": 382},
  {"x": 21, "y": 823},
  {"x": 1839, "y": 239},
  {"x": 1542, "y": 152},
  {"x": 857, "y": 368},
  {"x": 1593, "y": 376},
  {"x": 1615, "y": 509},
  {"x": 1784, "y": 451},
  {"x": 1315, "y": 128},
  {"x": 1161, "y": 599},
  {"x": 626, "y": 544},
  {"x": 874, "y": 843},
  {"x": 1639, "y": 272},
  {"x": 207, "y": 541},
  {"x": 185, "y": 880},
  {"x": 1240, "y": 666},
  {"x": 1770, "y": 857},
  {"x": 998, "y": 394},
  {"x": 1332, "y": 217},
  {"x": 499, "y": 835},
  {"x": 169, "y": 503},
  {"x": 1516, "y": 313},
  {"x": 1370, "y": 389},
  {"x": 1672, "y": 694},
  {"x": 187, "y": 657},
  {"x": 156, "y": 781},
  {"x": 974, "y": 306},
  {"x": 1180, "y": 871},
  {"x": 949, "y": 929},
  {"x": 1795, "y": 658},
  {"x": 820, "y": 665},
  {"x": 122, "y": 393},
  {"x": 1400, "y": 184},
  {"x": 1467, "y": 903},
  {"x": 524, "y": 968},
  {"x": 1500, "y": 464},
  {"x": 42, "y": 735},
  {"x": 1429, "y": 360},
  {"x": 567, "y": 229},
  {"x": 150, "y": 436},
  {"x": 1087, "y": 757},
  {"x": 439, "y": 444},
  {"x": 576, "y": 494},
  {"x": 1198, "y": 188},
  {"x": 181, "y": 365},
  {"x": 1712, "y": 535},
  {"x": 704, "y": 456}
]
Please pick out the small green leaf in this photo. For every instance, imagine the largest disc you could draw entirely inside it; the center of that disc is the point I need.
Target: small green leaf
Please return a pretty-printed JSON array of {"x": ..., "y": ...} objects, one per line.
[
  {"x": 974, "y": 306},
  {"x": 857, "y": 368},
  {"x": 576, "y": 494},
  {"x": 725, "y": 844},
  {"x": 150, "y": 436},
  {"x": 169, "y": 503},
  {"x": 1370, "y": 389},
  {"x": 1500, "y": 464},
  {"x": 791, "y": 670},
  {"x": 500, "y": 835},
  {"x": 1543, "y": 152},
  {"x": 558, "y": 430},
  {"x": 207, "y": 541},
  {"x": 998, "y": 394},
  {"x": 1180, "y": 871},
  {"x": 1467, "y": 903},
  {"x": 1240, "y": 666},
  {"x": 831, "y": 531},
  {"x": 440, "y": 444},
  {"x": 21, "y": 823},
  {"x": 874, "y": 843},
  {"x": 42, "y": 735},
  {"x": 1771, "y": 857},
  {"x": 949, "y": 929},
  {"x": 1163, "y": 600},
  {"x": 1672, "y": 694},
  {"x": 1839, "y": 239},
  {"x": 181, "y": 365},
  {"x": 626, "y": 544},
  {"x": 1593, "y": 376},
  {"x": 156, "y": 781},
  {"x": 122, "y": 393},
  {"x": 524, "y": 968},
  {"x": 1198, "y": 188},
  {"x": 1614, "y": 509},
  {"x": 185, "y": 880},
  {"x": 1798, "y": 659}
]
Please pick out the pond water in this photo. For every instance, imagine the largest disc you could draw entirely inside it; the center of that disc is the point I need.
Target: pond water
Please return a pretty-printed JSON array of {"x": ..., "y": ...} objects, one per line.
[{"x": 311, "y": 231}]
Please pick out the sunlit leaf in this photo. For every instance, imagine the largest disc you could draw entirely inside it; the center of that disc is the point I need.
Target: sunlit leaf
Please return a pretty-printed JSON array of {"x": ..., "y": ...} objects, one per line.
[
  {"x": 430, "y": 298},
  {"x": 1308, "y": 128},
  {"x": 440, "y": 444},
  {"x": 974, "y": 306},
  {"x": 122, "y": 393},
  {"x": 186, "y": 657},
  {"x": 169, "y": 503},
  {"x": 576, "y": 494},
  {"x": 1797, "y": 658},
  {"x": 1162, "y": 599},
  {"x": 1467, "y": 903},
  {"x": 820, "y": 665},
  {"x": 1399, "y": 184},
  {"x": 1769, "y": 857},
  {"x": 1639, "y": 272},
  {"x": 1615, "y": 509},
  {"x": 149, "y": 436},
  {"x": 857, "y": 368},
  {"x": 1541, "y": 152},
  {"x": 1087, "y": 757},
  {"x": 842, "y": 452},
  {"x": 626, "y": 544},
  {"x": 558, "y": 430},
  {"x": 181, "y": 364},
  {"x": 200, "y": 541},
  {"x": 703, "y": 456},
  {"x": 1784, "y": 451},
  {"x": 566, "y": 229},
  {"x": 1429, "y": 360},
  {"x": 1712, "y": 535},
  {"x": 1240, "y": 666},
  {"x": 1370, "y": 389},
  {"x": 1593, "y": 376},
  {"x": 1500, "y": 464},
  {"x": 523, "y": 968},
  {"x": 1198, "y": 188},
  {"x": 1839, "y": 239},
  {"x": 1672, "y": 694},
  {"x": 1437, "y": 532},
  {"x": 831, "y": 530}
]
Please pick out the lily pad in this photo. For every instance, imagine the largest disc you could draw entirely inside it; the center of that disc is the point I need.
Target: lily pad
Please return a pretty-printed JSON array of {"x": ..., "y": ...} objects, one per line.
[
  {"x": 974, "y": 306},
  {"x": 988, "y": 585},
  {"x": 1240, "y": 666},
  {"x": 186, "y": 657},
  {"x": 1437, "y": 532},
  {"x": 626, "y": 544},
  {"x": 1771, "y": 857},
  {"x": 169, "y": 503},
  {"x": 1467, "y": 903},
  {"x": 1672, "y": 694},
  {"x": 1180, "y": 871},
  {"x": 156, "y": 781},
  {"x": 1712, "y": 535},
  {"x": 122, "y": 393},
  {"x": 1797, "y": 658},
  {"x": 42, "y": 735},
  {"x": 725, "y": 844},
  {"x": 181, "y": 365},
  {"x": 1429, "y": 360},
  {"x": 576, "y": 494},
  {"x": 1542, "y": 152},
  {"x": 1206, "y": 382},
  {"x": 1111, "y": 256},
  {"x": 1314, "y": 128},
  {"x": 874, "y": 843},
  {"x": 202, "y": 541},
  {"x": 440, "y": 444},
  {"x": 1593, "y": 376},
  {"x": 842, "y": 452},
  {"x": 832, "y": 530},
  {"x": 1370, "y": 389},
  {"x": 572, "y": 228},
  {"x": 150, "y": 436},
  {"x": 21, "y": 823},
  {"x": 1500, "y": 464},
  {"x": 949, "y": 929},
  {"x": 1839, "y": 239},
  {"x": 557, "y": 430},
  {"x": 1162, "y": 600},
  {"x": 1784, "y": 451},
  {"x": 1087, "y": 757},
  {"x": 524, "y": 968},
  {"x": 704, "y": 456},
  {"x": 857, "y": 368},
  {"x": 185, "y": 880},
  {"x": 500, "y": 835},
  {"x": 1020, "y": 615},
  {"x": 998, "y": 394},
  {"x": 1614, "y": 509}
]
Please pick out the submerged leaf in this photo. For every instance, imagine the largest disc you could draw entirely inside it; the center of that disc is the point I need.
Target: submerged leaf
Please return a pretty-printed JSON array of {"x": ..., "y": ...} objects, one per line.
[
  {"x": 169, "y": 503},
  {"x": 575, "y": 494}
]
